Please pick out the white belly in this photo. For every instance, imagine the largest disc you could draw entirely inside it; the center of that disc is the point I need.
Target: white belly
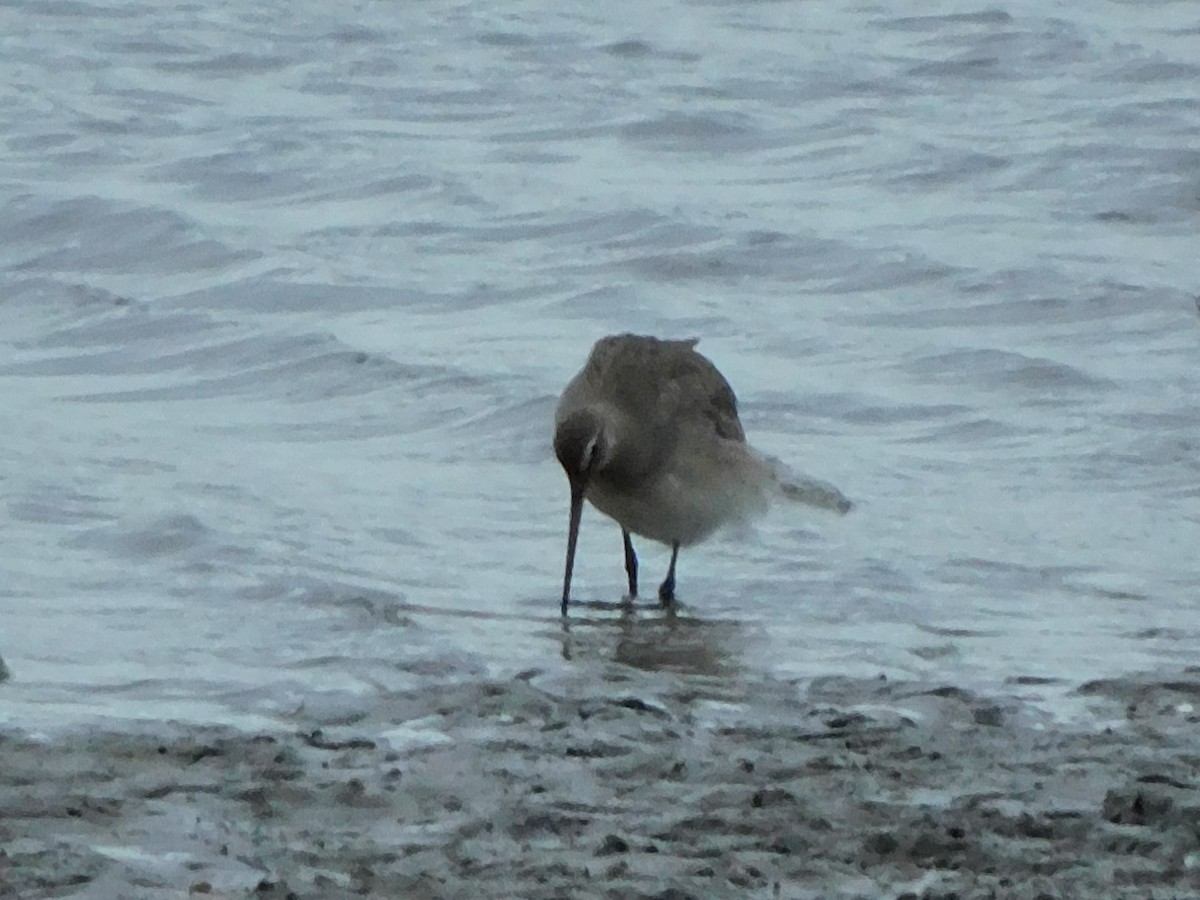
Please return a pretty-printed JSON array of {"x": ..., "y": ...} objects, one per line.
[{"x": 688, "y": 501}]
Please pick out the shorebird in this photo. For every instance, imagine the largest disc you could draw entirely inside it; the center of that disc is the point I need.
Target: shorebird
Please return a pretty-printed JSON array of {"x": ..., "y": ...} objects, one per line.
[{"x": 648, "y": 433}]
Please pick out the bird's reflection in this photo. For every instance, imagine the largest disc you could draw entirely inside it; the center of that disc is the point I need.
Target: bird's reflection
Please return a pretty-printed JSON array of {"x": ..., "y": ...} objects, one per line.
[{"x": 649, "y": 638}]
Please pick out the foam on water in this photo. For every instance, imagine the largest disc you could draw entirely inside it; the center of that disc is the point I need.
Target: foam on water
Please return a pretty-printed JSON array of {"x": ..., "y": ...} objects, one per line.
[{"x": 288, "y": 293}]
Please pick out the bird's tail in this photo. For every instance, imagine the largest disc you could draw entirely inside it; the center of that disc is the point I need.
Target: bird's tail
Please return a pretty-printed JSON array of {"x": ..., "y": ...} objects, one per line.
[
  {"x": 821, "y": 494},
  {"x": 809, "y": 491}
]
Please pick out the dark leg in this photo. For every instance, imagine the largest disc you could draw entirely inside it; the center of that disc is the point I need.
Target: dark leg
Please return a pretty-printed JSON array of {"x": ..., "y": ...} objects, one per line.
[
  {"x": 630, "y": 564},
  {"x": 666, "y": 591}
]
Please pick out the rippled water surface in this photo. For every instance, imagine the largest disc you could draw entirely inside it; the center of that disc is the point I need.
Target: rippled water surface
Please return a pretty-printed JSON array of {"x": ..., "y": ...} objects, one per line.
[{"x": 287, "y": 292}]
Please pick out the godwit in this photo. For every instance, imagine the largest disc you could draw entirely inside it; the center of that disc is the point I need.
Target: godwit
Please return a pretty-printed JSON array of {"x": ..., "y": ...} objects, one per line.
[{"x": 648, "y": 431}]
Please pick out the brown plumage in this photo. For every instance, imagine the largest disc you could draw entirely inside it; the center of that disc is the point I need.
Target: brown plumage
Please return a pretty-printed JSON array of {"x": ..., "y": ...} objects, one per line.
[{"x": 648, "y": 432}]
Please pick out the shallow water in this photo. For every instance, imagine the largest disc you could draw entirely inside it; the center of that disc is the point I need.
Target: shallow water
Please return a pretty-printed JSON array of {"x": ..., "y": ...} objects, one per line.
[{"x": 289, "y": 291}]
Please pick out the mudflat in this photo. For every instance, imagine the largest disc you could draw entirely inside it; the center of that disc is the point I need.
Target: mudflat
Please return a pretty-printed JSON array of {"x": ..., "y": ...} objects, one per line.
[{"x": 687, "y": 786}]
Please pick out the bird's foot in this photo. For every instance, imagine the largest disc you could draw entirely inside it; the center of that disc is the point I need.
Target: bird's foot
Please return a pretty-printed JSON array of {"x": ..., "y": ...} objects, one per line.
[{"x": 666, "y": 593}]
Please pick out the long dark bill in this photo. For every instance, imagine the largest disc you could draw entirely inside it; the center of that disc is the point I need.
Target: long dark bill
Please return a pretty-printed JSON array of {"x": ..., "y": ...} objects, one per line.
[{"x": 572, "y": 537}]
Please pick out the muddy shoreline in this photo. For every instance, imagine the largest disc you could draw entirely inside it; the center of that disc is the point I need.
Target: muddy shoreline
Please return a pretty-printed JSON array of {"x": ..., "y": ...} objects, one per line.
[{"x": 612, "y": 787}]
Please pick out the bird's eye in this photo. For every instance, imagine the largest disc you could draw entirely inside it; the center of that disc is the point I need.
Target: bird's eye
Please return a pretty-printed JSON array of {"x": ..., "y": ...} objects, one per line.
[{"x": 589, "y": 453}]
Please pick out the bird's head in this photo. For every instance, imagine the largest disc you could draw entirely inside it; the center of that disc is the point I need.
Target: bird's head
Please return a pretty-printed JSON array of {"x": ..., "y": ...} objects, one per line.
[{"x": 583, "y": 447}]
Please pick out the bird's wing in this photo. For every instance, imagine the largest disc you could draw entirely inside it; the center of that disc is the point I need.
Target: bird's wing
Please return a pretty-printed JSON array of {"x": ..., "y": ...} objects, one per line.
[
  {"x": 691, "y": 389},
  {"x": 656, "y": 380}
]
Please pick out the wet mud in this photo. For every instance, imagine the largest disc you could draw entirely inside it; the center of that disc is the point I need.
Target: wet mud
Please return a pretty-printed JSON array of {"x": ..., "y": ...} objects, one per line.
[{"x": 685, "y": 786}]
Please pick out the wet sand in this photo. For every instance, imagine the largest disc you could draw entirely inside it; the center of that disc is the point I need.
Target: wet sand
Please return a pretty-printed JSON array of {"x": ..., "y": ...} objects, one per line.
[{"x": 655, "y": 786}]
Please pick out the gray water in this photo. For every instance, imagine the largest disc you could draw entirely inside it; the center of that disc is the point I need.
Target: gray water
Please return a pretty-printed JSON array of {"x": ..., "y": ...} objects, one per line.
[{"x": 289, "y": 289}]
